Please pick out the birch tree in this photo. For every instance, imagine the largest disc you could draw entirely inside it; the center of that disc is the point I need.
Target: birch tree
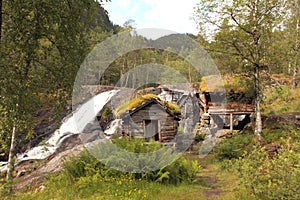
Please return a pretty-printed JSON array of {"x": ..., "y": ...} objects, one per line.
[
  {"x": 42, "y": 46},
  {"x": 250, "y": 23},
  {"x": 293, "y": 29}
]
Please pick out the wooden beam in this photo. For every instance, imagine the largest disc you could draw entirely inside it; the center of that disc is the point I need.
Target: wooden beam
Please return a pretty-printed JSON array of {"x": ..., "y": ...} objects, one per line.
[{"x": 231, "y": 122}]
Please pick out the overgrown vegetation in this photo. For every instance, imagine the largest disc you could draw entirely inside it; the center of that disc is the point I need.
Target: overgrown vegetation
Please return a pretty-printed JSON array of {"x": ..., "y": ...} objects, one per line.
[
  {"x": 281, "y": 99},
  {"x": 149, "y": 158},
  {"x": 271, "y": 178},
  {"x": 136, "y": 102},
  {"x": 87, "y": 177},
  {"x": 264, "y": 172},
  {"x": 234, "y": 147}
]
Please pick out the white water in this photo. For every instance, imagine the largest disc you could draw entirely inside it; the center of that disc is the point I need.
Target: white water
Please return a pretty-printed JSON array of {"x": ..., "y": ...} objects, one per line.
[
  {"x": 72, "y": 124},
  {"x": 114, "y": 127}
]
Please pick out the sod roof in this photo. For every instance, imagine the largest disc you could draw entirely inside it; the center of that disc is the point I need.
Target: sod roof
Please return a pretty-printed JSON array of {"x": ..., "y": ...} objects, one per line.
[{"x": 141, "y": 101}]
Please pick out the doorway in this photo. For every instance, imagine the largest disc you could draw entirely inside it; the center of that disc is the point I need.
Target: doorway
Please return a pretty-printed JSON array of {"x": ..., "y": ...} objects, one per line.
[{"x": 151, "y": 130}]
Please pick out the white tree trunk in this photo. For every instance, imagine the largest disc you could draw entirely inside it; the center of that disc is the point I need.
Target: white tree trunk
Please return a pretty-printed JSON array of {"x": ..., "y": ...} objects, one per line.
[
  {"x": 11, "y": 154},
  {"x": 257, "y": 58},
  {"x": 294, "y": 76},
  {"x": 258, "y": 121}
]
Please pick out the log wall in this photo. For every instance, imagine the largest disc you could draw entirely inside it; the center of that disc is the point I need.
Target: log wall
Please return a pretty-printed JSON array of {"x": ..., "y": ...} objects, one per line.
[{"x": 167, "y": 125}]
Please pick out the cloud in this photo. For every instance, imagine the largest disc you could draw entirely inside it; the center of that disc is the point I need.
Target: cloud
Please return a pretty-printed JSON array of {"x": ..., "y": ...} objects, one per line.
[{"x": 173, "y": 15}]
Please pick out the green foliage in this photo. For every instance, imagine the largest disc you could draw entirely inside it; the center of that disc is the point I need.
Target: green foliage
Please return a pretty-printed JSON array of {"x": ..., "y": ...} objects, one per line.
[
  {"x": 199, "y": 137},
  {"x": 125, "y": 69},
  {"x": 107, "y": 112},
  {"x": 280, "y": 135},
  {"x": 181, "y": 170},
  {"x": 234, "y": 147},
  {"x": 93, "y": 187},
  {"x": 281, "y": 99},
  {"x": 85, "y": 177},
  {"x": 5, "y": 190},
  {"x": 137, "y": 145},
  {"x": 42, "y": 46},
  {"x": 179, "y": 71},
  {"x": 85, "y": 165},
  {"x": 147, "y": 158},
  {"x": 232, "y": 32},
  {"x": 276, "y": 178},
  {"x": 173, "y": 108}
]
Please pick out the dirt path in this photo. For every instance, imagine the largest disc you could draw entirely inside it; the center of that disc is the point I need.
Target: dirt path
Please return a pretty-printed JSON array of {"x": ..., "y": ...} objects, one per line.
[
  {"x": 210, "y": 178},
  {"x": 219, "y": 184}
]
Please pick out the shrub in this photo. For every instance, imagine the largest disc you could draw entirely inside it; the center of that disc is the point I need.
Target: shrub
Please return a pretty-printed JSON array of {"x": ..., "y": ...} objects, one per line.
[
  {"x": 200, "y": 137},
  {"x": 280, "y": 134},
  {"x": 234, "y": 147},
  {"x": 266, "y": 178},
  {"x": 180, "y": 170},
  {"x": 85, "y": 177}
]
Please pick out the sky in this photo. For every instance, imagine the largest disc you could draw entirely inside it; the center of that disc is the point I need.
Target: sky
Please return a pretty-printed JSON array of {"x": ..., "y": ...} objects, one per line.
[{"x": 173, "y": 15}]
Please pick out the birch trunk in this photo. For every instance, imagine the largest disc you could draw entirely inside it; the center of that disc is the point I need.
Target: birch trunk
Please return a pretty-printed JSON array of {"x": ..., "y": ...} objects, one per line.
[
  {"x": 11, "y": 164},
  {"x": 294, "y": 75},
  {"x": 258, "y": 121},
  {"x": 257, "y": 57}
]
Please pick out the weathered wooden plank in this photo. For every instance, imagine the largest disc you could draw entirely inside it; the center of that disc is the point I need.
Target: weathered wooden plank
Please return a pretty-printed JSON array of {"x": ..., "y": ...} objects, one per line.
[
  {"x": 166, "y": 124},
  {"x": 171, "y": 126},
  {"x": 168, "y": 135}
]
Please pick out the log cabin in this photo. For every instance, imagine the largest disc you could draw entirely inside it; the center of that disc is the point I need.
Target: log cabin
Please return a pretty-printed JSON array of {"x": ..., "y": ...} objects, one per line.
[{"x": 152, "y": 118}]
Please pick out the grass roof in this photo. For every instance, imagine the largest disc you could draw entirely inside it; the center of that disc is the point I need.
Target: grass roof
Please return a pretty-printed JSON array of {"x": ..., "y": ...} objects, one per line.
[{"x": 135, "y": 103}]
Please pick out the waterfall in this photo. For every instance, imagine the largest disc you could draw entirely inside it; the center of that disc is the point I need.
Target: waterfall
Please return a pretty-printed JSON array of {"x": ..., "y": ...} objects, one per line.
[
  {"x": 72, "y": 124},
  {"x": 114, "y": 127}
]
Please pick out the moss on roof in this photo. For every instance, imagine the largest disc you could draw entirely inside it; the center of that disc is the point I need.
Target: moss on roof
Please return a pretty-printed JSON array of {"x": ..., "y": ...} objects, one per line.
[{"x": 135, "y": 103}]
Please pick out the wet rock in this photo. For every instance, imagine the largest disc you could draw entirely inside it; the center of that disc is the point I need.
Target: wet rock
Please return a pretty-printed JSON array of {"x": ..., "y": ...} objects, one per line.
[
  {"x": 91, "y": 127},
  {"x": 90, "y": 137},
  {"x": 69, "y": 143}
]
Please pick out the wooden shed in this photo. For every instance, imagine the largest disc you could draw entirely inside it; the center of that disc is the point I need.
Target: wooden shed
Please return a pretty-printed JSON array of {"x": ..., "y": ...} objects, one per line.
[{"x": 152, "y": 118}]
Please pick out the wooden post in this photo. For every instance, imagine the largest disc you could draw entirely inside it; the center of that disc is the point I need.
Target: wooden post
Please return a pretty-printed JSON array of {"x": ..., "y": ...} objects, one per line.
[
  {"x": 205, "y": 104},
  {"x": 231, "y": 122},
  {"x": 159, "y": 133}
]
